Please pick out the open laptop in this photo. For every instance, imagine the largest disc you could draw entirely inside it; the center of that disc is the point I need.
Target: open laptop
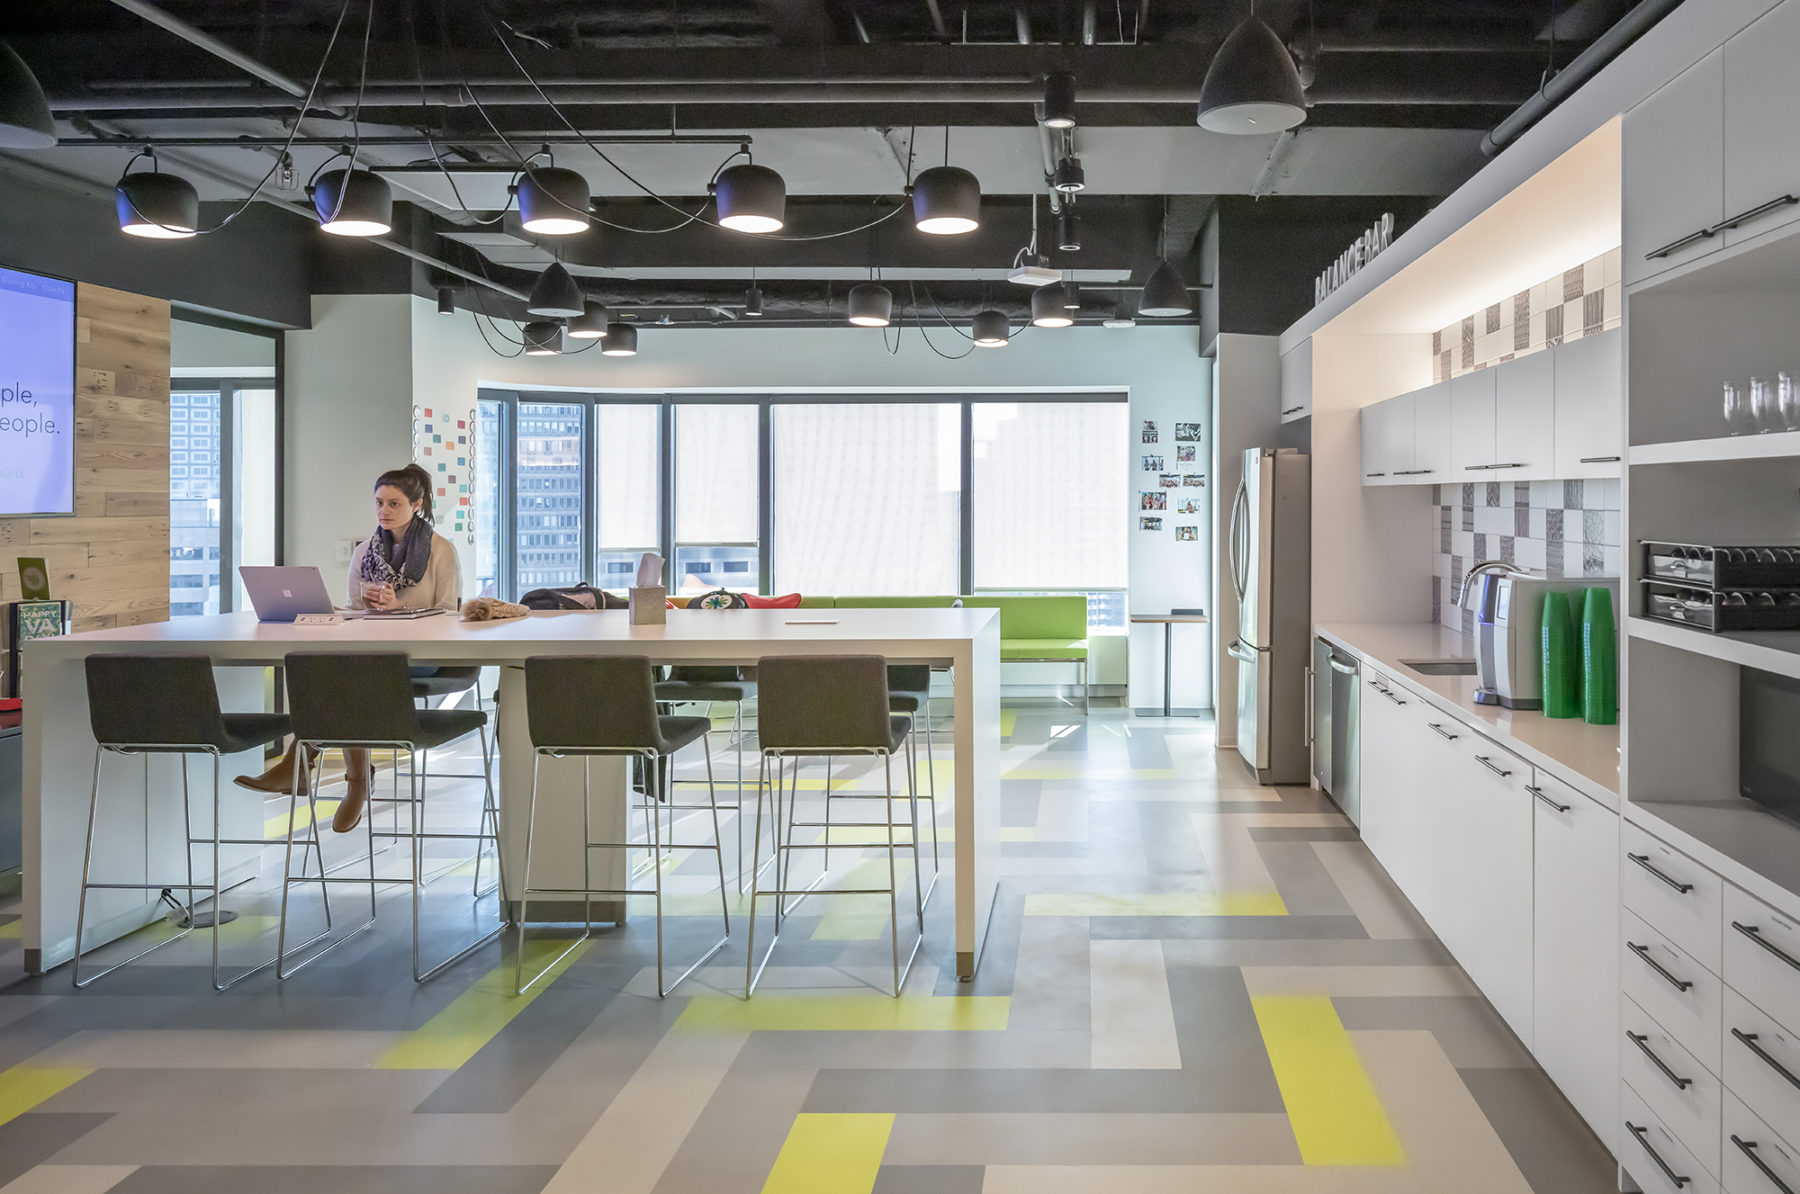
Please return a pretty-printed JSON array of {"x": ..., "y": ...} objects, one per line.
[{"x": 283, "y": 593}]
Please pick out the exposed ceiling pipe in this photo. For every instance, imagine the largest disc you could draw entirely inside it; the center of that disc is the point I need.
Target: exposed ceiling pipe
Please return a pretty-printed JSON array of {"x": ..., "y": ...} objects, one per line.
[
  {"x": 1284, "y": 146},
  {"x": 212, "y": 45},
  {"x": 124, "y": 139},
  {"x": 1584, "y": 66},
  {"x": 1049, "y": 152}
]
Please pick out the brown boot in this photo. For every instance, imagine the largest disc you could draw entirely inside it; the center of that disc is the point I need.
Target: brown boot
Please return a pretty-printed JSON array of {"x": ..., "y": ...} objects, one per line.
[
  {"x": 359, "y": 777},
  {"x": 280, "y": 777}
]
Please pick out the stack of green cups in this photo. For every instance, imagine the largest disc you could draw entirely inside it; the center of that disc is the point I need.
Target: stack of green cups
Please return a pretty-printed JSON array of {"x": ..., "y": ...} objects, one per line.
[
  {"x": 1562, "y": 671},
  {"x": 1600, "y": 660}
]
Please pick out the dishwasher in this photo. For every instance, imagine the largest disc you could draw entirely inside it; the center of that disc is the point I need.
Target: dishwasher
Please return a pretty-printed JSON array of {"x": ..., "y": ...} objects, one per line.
[{"x": 1336, "y": 702}]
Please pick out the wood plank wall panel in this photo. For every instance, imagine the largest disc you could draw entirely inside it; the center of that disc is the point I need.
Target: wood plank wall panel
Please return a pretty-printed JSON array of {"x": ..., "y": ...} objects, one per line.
[{"x": 112, "y": 558}]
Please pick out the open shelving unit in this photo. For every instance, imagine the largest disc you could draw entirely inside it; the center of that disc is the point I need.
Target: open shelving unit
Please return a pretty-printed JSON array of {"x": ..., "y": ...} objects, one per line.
[
  {"x": 1773, "y": 446},
  {"x": 1775, "y": 651}
]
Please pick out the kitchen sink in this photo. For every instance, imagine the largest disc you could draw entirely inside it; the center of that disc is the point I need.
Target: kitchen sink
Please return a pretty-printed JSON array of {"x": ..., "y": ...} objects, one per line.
[{"x": 1441, "y": 667}]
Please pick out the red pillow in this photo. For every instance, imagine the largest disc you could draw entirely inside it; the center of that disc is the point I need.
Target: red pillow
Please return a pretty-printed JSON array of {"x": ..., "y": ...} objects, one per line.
[{"x": 791, "y": 601}]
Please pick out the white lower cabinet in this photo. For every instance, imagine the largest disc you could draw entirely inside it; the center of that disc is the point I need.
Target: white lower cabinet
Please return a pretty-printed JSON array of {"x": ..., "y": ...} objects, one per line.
[
  {"x": 1762, "y": 1064},
  {"x": 1653, "y": 1154},
  {"x": 1684, "y": 1094},
  {"x": 1756, "y": 1159}
]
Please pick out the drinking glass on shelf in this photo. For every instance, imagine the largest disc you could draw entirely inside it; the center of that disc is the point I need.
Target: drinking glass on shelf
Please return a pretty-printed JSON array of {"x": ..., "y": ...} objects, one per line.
[
  {"x": 1764, "y": 406},
  {"x": 1738, "y": 416},
  {"x": 1787, "y": 397}
]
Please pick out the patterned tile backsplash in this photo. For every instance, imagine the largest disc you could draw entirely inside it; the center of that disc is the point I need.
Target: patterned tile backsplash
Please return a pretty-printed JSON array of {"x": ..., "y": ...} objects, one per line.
[
  {"x": 1557, "y": 528},
  {"x": 1577, "y": 302}
]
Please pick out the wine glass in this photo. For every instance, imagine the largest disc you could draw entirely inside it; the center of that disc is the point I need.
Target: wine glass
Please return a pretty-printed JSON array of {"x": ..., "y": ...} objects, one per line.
[
  {"x": 1787, "y": 397},
  {"x": 1763, "y": 406},
  {"x": 1738, "y": 416}
]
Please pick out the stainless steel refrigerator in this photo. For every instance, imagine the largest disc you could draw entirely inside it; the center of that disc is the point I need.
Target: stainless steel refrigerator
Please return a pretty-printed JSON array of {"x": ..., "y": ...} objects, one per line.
[{"x": 1271, "y": 571}]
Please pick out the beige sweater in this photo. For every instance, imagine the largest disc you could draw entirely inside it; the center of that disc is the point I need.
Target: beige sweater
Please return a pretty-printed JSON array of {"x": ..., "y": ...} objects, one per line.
[{"x": 441, "y": 587}]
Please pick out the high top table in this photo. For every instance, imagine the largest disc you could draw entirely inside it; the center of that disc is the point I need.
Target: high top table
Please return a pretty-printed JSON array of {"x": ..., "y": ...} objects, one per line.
[{"x": 59, "y": 747}]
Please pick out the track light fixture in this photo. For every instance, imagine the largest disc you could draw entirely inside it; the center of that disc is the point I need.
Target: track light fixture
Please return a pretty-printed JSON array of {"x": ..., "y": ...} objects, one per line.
[
  {"x": 871, "y": 305},
  {"x": 1068, "y": 229},
  {"x": 621, "y": 340},
  {"x": 1047, "y": 310},
  {"x": 25, "y": 121},
  {"x": 352, "y": 202},
  {"x": 1059, "y": 100},
  {"x": 1165, "y": 294},
  {"x": 446, "y": 300},
  {"x": 991, "y": 328},
  {"x": 1252, "y": 85},
  {"x": 154, "y": 205},
  {"x": 1069, "y": 176},
  {"x": 553, "y": 201},
  {"x": 556, "y": 294},
  {"x": 589, "y": 325},
  {"x": 751, "y": 198},
  {"x": 543, "y": 338},
  {"x": 946, "y": 201}
]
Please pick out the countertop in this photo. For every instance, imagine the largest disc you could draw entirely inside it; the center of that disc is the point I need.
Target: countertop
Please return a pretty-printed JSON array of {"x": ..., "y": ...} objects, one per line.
[{"x": 1580, "y": 754}]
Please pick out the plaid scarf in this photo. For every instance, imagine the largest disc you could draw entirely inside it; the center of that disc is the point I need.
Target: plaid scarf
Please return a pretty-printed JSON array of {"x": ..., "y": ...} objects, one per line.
[{"x": 401, "y": 564}]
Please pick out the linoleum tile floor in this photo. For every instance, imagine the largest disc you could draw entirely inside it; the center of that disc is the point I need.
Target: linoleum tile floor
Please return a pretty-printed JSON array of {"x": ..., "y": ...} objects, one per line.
[{"x": 1191, "y": 983}]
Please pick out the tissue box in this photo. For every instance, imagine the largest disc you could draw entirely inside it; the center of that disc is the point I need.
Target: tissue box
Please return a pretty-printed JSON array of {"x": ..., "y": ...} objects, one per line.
[{"x": 649, "y": 607}]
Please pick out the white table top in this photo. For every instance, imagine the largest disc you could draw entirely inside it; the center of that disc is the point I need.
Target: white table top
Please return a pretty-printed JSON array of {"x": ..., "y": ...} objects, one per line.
[{"x": 726, "y": 636}]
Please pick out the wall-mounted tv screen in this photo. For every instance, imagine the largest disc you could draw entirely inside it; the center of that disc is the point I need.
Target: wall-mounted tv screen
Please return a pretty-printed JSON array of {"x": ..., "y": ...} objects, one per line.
[{"x": 37, "y": 394}]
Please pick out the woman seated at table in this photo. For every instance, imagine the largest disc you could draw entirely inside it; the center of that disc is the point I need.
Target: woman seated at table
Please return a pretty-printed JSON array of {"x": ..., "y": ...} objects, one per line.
[{"x": 405, "y": 564}]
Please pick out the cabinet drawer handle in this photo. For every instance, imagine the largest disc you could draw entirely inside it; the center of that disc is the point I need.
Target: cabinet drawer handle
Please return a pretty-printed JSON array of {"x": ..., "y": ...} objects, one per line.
[
  {"x": 1374, "y": 474},
  {"x": 1599, "y": 460},
  {"x": 1755, "y": 934},
  {"x": 1749, "y": 1042},
  {"x": 1643, "y": 1138},
  {"x": 1748, "y": 1148},
  {"x": 1475, "y": 468},
  {"x": 1643, "y": 951},
  {"x": 1489, "y": 764},
  {"x": 1643, "y": 860},
  {"x": 1684, "y": 242},
  {"x": 1442, "y": 732},
  {"x": 1539, "y": 793},
  {"x": 1290, "y": 410},
  {"x": 1513, "y": 464},
  {"x": 1410, "y": 472},
  {"x": 1389, "y": 694},
  {"x": 1642, "y": 1042},
  {"x": 1761, "y": 209}
]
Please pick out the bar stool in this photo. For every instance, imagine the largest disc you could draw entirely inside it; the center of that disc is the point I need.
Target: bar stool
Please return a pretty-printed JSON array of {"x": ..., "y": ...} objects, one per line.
[
  {"x": 167, "y": 704},
  {"x": 365, "y": 700},
  {"x": 822, "y": 706},
  {"x": 690, "y": 684},
  {"x": 909, "y": 692},
  {"x": 586, "y": 707}
]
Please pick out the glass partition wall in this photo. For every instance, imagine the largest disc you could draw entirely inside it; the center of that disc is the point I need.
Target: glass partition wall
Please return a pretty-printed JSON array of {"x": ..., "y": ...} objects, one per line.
[{"x": 879, "y": 495}]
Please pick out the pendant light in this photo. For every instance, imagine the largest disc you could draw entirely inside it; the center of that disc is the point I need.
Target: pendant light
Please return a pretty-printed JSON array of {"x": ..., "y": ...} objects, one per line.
[
  {"x": 446, "y": 300},
  {"x": 751, "y": 198},
  {"x": 1068, "y": 229},
  {"x": 871, "y": 305},
  {"x": 1069, "y": 176},
  {"x": 353, "y": 202},
  {"x": 589, "y": 325},
  {"x": 1165, "y": 294},
  {"x": 556, "y": 294},
  {"x": 991, "y": 328},
  {"x": 1047, "y": 310},
  {"x": 946, "y": 201},
  {"x": 543, "y": 338},
  {"x": 553, "y": 201},
  {"x": 1120, "y": 318},
  {"x": 1059, "y": 100},
  {"x": 753, "y": 301},
  {"x": 621, "y": 340},
  {"x": 1252, "y": 85},
  {"x": 1071, "y": 295},
  {"x": 154, "y": 205},
  {"x": 25, "y": 121}
]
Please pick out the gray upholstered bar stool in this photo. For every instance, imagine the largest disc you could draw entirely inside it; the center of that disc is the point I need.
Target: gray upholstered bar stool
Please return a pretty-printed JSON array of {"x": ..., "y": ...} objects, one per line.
[
  {"x": 366, "y": 700},
  {"x": 909, "y": 692},
  {"x": 700, "y": 684},
  {"x": 167, "y": 704},
  {"x": 591, "y": 707},
  {"x": 824, "y": 706}
]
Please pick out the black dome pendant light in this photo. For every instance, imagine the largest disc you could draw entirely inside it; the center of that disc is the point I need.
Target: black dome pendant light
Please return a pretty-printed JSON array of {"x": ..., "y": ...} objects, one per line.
[
  {"x": 543, "y": 338},
  {"x": 753, "y": 297},
  {"x": 991, "y": 329},
  {"x": 751, "y": 198},
  {"x": 352, "y": 202},
  {"x": 25, "y": 121},
  {"x": 621, "y": 340},
  {"x": 556, "y": 294},
  {"x": 1059, "y": 100},
  {"x": 155, "y": 205},
  {"x": 1047, "y": 310},
  {"x": 871, "y": 305},
  {"x": 553, "y": 201},
  {"x": 1252, "y": 85},
  {"x": 1165, "y": 294},
  {"x": 589, "y": 325},
  {"x": 946, "y": 199}
]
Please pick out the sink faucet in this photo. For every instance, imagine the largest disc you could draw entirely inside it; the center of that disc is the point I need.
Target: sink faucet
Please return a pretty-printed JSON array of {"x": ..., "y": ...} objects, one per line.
[{"x": 1500, "y": 566}]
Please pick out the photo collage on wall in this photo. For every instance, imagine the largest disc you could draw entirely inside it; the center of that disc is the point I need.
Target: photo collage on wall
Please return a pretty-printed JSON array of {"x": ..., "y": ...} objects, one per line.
[
  {"x": 1187, "y": 454},
  {"x": 444, "y": 445}
]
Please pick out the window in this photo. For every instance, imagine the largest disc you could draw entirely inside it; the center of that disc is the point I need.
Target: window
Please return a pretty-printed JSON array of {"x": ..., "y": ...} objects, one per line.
[
  {"x": 223, "y": 442},
  {"x": 717, "y": 483},
  {"x": 549, "y": 487},
  {"x": 628, "y": 489},
  {"x": 195, "y": 494},
  {"x": 868, "y": 497}
]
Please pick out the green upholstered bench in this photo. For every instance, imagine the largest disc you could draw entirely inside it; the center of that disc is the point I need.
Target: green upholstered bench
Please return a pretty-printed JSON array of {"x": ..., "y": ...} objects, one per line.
[{"x": 1034, "y": 628}]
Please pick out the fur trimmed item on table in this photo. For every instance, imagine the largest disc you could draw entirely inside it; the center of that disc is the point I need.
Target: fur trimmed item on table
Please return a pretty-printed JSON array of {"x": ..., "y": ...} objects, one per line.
[{"x": 490, "y": 609}]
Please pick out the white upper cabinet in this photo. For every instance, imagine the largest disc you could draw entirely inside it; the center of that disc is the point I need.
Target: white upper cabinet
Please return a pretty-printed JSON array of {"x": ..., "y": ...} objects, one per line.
[
  {"x": 1431, "y": 435},
  {"x": 1525, "y": 417},
  {"x": 1296, "y": 383},
  {"x": 1471, "y": 425},
  {"x": 1590, "y": 396},
  {"x": 1674, "y": 169},
  {"x": 1762, "y": 135}
]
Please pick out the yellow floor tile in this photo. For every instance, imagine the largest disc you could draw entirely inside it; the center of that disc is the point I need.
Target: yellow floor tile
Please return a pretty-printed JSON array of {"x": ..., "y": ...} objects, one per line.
[
  {"x": 830, "y": 1154},
  {"x": 475, "y": 1017},
  {"x": 275, "y": 828},
  {"x": 1332, "y": 1105},
  {"x": 775, "y": 1011},
  {"x": 24, "y": 1087},
  {"x": 1171, "y": 903}
]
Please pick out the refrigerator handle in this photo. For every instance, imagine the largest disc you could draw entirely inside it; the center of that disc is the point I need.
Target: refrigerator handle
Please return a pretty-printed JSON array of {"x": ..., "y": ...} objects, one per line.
[{"x": 1239, "y": 503}]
